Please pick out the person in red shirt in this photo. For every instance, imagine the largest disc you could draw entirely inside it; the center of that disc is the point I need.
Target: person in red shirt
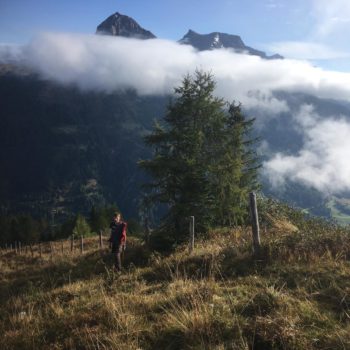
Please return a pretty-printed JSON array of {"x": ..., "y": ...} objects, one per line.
[{"x": 118, "y": 239}]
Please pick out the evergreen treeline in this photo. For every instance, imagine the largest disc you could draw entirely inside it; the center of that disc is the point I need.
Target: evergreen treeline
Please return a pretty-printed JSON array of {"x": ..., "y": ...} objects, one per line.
[
  {"x": 23, "y": 228},
  {"x": 203, "y": 162},
  {"x": 26, "y": 229}
]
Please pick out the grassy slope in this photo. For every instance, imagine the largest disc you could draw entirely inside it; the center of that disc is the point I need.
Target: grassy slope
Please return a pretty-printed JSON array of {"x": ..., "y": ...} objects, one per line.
[{"x": 296, "y": 296}]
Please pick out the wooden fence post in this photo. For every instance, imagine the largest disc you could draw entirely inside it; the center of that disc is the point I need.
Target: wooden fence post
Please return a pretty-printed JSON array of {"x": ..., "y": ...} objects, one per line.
[
  {"x": 191, "y": 233},
  {"x": 101, "y": 241},
  {"x": 40, "y": 250},
  {"x": 62, "y": 247},
  {"x": 147, "y": 231},
  {"x": 51, "y": 249},
  {"x": 31, "y": 250},
  {"x": 255, "y": 222},
  {"x": 82, "y": 244},
  {"x": 16, "y": 250},
  {"x": 72, "y": 243}
]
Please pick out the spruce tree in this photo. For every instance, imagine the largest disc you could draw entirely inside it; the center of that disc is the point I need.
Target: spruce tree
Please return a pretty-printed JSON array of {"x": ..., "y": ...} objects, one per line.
[
  {"x": 200, "y": 159},
  {"x": 235, "y": 169},
  {"x": 81, "y": 227},
  {"x": 178, "y": 170}
]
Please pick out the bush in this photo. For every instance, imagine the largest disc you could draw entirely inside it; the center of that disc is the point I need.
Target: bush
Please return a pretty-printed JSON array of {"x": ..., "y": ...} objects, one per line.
[{"x": 81, "y": 228}]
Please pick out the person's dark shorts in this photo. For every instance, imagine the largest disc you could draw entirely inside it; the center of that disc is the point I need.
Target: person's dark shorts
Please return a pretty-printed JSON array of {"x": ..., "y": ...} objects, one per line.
[{"x": 117, "y": 248}]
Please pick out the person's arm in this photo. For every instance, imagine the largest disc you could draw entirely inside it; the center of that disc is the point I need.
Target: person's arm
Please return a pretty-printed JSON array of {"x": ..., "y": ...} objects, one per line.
[{"x": 123, "y": 237}]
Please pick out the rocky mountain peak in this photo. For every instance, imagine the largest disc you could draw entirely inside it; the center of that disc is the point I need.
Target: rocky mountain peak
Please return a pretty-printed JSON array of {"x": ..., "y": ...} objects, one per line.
[
  {"x": 212, "y": 40},
  {"x": 121, "y": 25}
]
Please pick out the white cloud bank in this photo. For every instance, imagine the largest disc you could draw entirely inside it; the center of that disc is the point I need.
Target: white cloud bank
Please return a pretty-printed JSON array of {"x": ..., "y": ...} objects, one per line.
[
  {"x": 156, "y": 66},
  {"x": 323, "y": 161}
]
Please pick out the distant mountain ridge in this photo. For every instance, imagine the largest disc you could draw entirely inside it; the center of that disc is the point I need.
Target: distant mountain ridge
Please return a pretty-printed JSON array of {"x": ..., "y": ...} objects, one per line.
[
  {"x": 125, "y": 26},
  {"x": 217, "y": 40}
]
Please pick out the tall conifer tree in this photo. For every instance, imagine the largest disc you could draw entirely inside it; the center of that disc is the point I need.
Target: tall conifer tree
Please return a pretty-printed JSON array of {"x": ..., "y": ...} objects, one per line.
[
  {"x": 236, "y": 169},
  {"x": 199, "y": 157}
]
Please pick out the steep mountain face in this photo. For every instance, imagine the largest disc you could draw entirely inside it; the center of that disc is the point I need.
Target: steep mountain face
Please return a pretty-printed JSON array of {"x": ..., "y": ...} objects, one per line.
[
  {"x": 218, "y": 40},
  {"x": 121, "y": 25}
]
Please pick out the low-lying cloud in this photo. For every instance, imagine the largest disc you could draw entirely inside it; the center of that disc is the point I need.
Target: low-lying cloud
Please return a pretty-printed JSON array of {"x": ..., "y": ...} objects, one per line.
[
  {"x": 156, "y": 66},
  {"x": 323, "y": 161}
]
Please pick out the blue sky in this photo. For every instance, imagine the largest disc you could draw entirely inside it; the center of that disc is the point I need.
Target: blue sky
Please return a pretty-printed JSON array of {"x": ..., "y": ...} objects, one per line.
[
  {"x": 307, "y": 29},
  {"x": 258, "y": 22}
]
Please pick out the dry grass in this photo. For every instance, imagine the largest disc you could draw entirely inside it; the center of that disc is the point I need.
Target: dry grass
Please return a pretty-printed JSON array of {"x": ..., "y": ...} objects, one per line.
[{"x": 295, "y": 296}]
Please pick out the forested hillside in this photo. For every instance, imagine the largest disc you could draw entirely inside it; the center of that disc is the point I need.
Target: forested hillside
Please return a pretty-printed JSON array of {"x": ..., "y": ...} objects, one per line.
[{"x": 67, "y": 150}]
